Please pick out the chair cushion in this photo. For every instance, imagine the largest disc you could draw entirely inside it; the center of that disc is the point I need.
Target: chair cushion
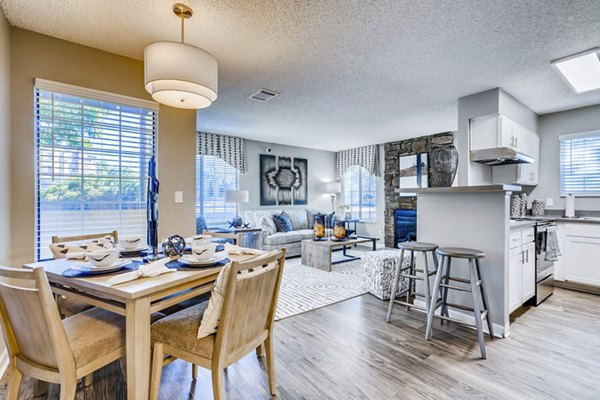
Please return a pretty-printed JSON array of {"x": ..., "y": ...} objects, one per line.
[
  {"x": 68, "y": 307},
  {"x": 181, "y": 329},
  {"x": 281, "y": 238},
  {"x": 297, "y": 218},
  {"x": 93, "y": 334},
  {"x": 283, "y": 222}
]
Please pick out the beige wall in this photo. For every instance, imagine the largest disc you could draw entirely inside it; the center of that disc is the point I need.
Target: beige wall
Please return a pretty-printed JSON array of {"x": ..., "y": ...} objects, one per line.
[
  {"x": 4, "y": 157},
  {"x": 4, "y": 137},
  {"x": 34, "y": 55}
]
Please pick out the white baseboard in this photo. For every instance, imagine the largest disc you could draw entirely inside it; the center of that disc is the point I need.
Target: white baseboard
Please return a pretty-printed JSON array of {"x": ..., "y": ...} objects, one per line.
[{"x": 468, "y": 318}]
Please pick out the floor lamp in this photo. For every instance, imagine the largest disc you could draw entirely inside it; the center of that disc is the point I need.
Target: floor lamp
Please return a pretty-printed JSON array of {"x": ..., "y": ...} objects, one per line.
[{"x": 333, "y": 188}]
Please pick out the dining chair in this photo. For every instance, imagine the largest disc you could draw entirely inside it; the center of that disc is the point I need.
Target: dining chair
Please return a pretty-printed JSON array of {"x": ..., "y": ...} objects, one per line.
[
  {"x": 245, "y": 324},
  {"x": 69, "y": 307},
  {"x": 66, "y": 239},
  {"x": 42, "y": 346}
]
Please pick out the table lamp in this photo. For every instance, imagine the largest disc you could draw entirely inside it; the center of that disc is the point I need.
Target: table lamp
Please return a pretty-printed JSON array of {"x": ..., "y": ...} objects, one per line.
[{"x": 237, "y": 197}]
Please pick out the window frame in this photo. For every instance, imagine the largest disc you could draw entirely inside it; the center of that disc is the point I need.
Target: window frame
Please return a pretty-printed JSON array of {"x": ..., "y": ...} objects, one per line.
[
  {"x": 594, "y": 135},
  {"x": 361, "y": 191},
  {"x": 44, "y": 87}
]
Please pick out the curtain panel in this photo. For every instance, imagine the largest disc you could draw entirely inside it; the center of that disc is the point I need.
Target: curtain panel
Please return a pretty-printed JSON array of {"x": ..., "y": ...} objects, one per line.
[
  {"x": 367, "y": 157},
  {"x": 230, "y": 149}
]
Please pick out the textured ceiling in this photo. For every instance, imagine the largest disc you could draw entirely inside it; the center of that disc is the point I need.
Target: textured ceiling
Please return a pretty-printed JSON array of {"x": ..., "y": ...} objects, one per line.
[{"x": 349, "y": 72}]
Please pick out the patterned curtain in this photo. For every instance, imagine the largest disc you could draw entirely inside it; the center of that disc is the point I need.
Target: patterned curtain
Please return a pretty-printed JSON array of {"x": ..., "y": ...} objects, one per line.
[
  {"x": 228, "y": 148},
  {"x": 367, "y": 156}
]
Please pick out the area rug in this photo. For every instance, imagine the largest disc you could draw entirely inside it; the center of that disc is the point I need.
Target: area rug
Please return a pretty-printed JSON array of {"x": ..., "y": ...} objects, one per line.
[{"x": 305, "y": 288}]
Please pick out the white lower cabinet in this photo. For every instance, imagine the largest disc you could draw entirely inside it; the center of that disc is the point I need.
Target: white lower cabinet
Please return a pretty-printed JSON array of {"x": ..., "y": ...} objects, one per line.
[
  {"x": 521, "y": 282},
  {"x": 581, "y": 255}
]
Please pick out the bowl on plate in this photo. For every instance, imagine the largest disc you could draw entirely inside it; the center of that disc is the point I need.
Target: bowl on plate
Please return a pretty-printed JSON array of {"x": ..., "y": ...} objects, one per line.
[
  {"x": 202, "y": 252},
  {"x": 131, "y": 242},
  {"x": 200, "y": 240},
  {"x": 104, "y": 257}
]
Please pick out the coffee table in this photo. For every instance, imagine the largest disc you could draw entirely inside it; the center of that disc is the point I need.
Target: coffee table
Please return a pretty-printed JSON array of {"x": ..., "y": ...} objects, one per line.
[{"x": 317, "y": 253}]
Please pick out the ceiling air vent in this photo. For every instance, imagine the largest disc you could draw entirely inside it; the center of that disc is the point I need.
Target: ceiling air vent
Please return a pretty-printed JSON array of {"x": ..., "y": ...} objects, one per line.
[{"x": 263, "y": 95}]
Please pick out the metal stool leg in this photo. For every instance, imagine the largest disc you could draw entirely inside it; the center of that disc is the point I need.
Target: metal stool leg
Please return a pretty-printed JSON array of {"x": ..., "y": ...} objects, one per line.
[
  {"x": 476, "y": 310},
  {"x": 434, "y": 299},
  {"x": 409, "y": 287},
  {"x": 484, "y": 299},
  {"x": 395, "y": 287}
]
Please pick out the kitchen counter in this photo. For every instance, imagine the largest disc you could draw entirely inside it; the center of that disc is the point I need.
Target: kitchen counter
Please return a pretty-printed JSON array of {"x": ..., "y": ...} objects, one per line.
[
  {"x": 518, "y": 224},
  {"x": 462, "y": 189},
  {"x": 558, "y": 218}
]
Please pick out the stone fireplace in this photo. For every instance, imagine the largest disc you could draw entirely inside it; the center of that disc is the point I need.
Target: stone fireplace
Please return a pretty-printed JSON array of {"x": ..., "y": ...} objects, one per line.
[{"x": 393, "y": 150}]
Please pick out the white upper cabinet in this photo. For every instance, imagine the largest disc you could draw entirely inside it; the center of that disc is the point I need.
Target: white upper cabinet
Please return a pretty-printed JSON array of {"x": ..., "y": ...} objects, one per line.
[{"x": 499, "y": 131}]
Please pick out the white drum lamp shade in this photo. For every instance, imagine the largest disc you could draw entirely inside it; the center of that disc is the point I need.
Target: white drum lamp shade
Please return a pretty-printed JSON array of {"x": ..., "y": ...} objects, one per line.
[
  {"x": 180, "y": 75},
  {"x": 333, "y": 187},
  {"x": 237, "y": 196}
]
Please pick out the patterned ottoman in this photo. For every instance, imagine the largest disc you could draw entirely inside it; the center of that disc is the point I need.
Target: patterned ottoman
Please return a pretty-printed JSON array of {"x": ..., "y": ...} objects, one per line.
[{"x": 378, "y": 269}]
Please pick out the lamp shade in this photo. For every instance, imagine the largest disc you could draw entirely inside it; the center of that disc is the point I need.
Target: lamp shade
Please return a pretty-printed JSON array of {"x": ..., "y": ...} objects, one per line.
[
  {"x": 237, "y": 196},
  {"x": 180, "y": 75},
  {"x": 333, "y": 187}
]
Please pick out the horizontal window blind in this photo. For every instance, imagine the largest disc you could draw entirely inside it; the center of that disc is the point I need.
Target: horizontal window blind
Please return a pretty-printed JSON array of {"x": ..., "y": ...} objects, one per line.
[
  {"x": 360, "y": 193},
  {"x": 91, "y": 166},
  {"x": 580, "y": 165},
  {"x": 213, "y": 177}
]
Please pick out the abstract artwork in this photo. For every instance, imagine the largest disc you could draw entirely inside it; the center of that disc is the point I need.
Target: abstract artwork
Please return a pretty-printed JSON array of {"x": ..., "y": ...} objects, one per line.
[
  {"x": 283, "y": 180},
  {"x": 413, "y": 172}
]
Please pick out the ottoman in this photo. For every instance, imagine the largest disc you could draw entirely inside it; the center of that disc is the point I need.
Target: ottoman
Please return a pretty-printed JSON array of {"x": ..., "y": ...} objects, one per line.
[{"x": 378, "y": 269}]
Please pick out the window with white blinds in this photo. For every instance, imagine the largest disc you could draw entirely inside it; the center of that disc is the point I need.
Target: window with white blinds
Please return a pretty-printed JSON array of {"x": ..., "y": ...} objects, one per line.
[
  {"x": 360, "y": 193},
  {"x": 91, "y": 165},
  {"x": 213, "y": 177},
  {"x": 580, "y": 164}
]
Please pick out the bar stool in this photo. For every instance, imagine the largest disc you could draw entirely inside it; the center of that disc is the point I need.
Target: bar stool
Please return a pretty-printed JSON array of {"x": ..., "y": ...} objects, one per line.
[
  {"x": 413, "y": 275},
  {"x": 475, "y": 287}
]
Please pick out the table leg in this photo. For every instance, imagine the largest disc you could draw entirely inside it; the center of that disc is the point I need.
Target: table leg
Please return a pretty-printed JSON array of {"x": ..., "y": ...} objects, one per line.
[
  {"x": 137, "y": 331},
  {"x": 374, "y": 244}
]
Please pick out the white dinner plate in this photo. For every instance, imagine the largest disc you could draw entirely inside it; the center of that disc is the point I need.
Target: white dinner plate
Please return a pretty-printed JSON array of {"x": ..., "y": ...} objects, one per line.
[
  {"x": 136, "y": 250},
  {"x": 90, "y": 269},
  {"x": 192, "y": 262}
]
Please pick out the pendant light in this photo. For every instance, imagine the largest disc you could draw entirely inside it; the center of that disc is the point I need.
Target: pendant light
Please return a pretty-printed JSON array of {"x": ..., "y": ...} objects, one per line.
[{"x": 178, "y": 74}]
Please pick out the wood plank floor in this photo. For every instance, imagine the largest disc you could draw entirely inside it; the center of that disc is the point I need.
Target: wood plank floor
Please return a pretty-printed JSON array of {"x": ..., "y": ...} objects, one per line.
[{"x": 347, "y": 351}]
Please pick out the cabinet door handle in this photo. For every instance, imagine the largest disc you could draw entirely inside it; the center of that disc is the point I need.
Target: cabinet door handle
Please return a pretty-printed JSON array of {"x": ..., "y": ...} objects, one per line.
[
  {"x": 516, "y": 141},
  {"x": 522, "y": 257},
  {"x": 527, "y": 256}
]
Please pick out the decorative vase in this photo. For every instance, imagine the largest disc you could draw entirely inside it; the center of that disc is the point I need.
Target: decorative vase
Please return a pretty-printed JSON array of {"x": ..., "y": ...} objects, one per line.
[
  {"x": 339, "y": 231},
  {"x": 443, "y": 162},
  {"x": 319, "y": 227}
]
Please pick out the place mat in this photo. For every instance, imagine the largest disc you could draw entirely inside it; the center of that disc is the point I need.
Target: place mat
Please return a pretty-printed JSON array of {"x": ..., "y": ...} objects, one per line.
[
  {"x": 182, "y": 267},
  {"x": 75, "y": 273}
]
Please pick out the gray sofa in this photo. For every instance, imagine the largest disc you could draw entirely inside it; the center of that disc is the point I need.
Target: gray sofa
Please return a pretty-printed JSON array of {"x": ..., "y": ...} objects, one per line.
[{"x": 271, "y": 239}]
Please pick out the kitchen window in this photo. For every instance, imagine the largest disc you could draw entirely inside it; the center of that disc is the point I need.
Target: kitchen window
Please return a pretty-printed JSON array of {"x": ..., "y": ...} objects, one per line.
[
  {"x": 213, "y": 177},
  {"x": 360, "y": 193},
  {"x": 580, "y": 164},
  {"x": 92, "y": 154}
]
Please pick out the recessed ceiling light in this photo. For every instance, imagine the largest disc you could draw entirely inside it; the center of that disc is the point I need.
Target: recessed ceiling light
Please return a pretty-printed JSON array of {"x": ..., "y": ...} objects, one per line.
[{"x": 581, "y": 70}]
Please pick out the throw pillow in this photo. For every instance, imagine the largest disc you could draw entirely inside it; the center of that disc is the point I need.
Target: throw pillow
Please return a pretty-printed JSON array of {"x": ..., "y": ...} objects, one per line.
[
  {"x": 330, "y": 220},
  {"x": 212, "y": 315},
  {"x": 268, "y": 224},
  {"x": 282, "y": 222}
]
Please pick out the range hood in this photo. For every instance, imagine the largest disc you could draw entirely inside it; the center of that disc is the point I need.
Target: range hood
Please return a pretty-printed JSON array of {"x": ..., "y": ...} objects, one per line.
[{"x": 499, "y": 156}]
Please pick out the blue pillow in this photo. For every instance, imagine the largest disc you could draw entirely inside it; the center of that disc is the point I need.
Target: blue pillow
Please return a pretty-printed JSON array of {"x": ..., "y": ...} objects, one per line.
[{"x": 282, "y": 222}]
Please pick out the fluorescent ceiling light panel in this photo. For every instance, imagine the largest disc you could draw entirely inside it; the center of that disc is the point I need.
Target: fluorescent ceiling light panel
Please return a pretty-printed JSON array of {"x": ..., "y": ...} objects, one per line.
[{"x": 581, "y": 70}]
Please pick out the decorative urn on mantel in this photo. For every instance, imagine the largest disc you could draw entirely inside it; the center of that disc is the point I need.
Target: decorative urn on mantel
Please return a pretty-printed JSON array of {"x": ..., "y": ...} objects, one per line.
[{"x": 443, "y": 163}]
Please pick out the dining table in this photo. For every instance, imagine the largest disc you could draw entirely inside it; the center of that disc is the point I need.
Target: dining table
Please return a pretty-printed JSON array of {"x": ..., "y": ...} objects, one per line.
[{"x": 135, "y": 300}]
